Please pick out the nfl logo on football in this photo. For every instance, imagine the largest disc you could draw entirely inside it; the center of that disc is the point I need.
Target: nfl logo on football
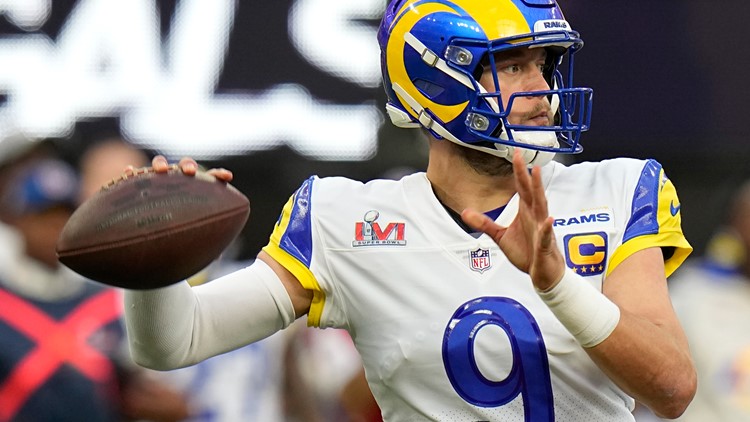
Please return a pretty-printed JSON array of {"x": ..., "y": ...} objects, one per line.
[{"x": 480, "y": 260}]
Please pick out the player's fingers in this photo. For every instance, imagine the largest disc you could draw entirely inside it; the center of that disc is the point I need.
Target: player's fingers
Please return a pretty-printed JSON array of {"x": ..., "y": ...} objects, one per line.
[
  {"x": 537, "y": 190},
  {"x": 478, "y": 221},
  {"x": 521, "y": 173},
  {"x": 188, "y": 166},
  {"x": 222, "y": 174},
  {"x": 547, "y": 236},
  {"x": 548, "y": 266},
  {"x": 160, "y": 164}
]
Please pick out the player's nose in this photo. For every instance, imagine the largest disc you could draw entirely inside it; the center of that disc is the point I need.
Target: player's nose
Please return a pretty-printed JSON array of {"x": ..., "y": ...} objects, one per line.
[{"x": 535, "y": 81}]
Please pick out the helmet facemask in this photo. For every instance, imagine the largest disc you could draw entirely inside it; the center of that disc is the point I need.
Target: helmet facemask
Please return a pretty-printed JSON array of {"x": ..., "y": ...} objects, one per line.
[{"x": 488, "y": 119}]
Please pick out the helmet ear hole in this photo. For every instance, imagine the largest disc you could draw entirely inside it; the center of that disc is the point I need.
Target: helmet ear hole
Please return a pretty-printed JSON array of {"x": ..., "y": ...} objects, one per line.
[
  {"x": 479, "y": 70},
  {"x": 429, "y": 89},
  {"x": 497, "y": 132},
  {"x": 554, "y": 57}
]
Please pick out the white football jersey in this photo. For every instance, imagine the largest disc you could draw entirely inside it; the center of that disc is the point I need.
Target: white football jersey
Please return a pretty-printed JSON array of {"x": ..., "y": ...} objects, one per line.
[{"x": 448, "y": 329}]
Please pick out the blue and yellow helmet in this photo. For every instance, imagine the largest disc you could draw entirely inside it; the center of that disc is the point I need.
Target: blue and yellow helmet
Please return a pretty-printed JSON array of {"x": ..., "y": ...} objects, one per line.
[{"x": 432, "y": 56}]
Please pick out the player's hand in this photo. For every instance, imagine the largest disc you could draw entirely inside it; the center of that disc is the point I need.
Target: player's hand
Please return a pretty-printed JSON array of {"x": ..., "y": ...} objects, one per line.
[
  {"x": 188, "y": 167},
  {"x": 529, "y": 241}
]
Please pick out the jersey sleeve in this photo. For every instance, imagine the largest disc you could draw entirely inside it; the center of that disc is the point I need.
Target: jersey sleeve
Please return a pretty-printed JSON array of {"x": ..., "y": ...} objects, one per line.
[
  {"x": 655, "y": 220},
  {"x": 291, "y": 245}
]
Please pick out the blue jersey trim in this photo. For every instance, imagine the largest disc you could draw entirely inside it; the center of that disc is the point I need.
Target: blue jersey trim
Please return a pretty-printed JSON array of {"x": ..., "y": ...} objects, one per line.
[
  {"x": 297, "y": 238},
  {"x": 643, "y": 218},
  {"x": 494, "y": 214}
]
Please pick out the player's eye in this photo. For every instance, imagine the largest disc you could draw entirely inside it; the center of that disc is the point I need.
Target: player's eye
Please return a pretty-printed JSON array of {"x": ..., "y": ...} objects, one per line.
[{"x": 511, "y": 68}]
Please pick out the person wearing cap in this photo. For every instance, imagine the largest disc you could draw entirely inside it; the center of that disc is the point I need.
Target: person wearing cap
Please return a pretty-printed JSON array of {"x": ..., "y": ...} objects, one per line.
[
  {"x": 35, "y": 203},
  {"x": 62, "y": 355},
  {"x": 50, "y": 370}
]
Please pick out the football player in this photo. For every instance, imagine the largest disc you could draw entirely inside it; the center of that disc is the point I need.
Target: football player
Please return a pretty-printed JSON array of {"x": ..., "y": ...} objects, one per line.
[{"x": 496, "y": 285}]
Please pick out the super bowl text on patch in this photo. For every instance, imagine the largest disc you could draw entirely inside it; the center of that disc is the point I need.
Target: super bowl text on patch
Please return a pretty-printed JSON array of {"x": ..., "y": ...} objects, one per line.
[
  {"x": 586, "y": 253},
  {"x": 370, "y": 233},
  {"x": 480, "y": 260}
]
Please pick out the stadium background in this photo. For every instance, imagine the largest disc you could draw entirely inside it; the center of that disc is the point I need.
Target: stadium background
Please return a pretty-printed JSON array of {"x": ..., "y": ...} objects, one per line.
[{"x": 670, "y": 82}]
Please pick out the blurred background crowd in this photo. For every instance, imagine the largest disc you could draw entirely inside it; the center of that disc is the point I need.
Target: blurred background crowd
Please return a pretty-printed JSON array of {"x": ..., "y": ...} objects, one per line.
[{"x": 277, "y": 91}]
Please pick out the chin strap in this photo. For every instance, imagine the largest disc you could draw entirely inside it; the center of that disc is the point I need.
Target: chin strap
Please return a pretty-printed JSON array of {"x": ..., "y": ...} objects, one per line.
[
  {"x": 540, "y": 158},
  {"x": 540, "y": 138}
]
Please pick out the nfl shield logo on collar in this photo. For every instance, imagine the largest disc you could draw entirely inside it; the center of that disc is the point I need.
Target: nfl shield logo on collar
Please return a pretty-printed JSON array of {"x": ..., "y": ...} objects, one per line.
[{"x": 480, "y": 260}]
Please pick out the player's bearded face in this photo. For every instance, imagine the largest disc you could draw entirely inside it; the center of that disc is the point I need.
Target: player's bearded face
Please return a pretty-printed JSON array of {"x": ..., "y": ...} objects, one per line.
[
  {"x": 483, "y": 163},
  {"x": 519, "y": 70}
]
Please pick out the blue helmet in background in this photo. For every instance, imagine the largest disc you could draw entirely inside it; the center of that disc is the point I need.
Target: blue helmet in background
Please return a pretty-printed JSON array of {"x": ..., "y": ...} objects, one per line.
[{"x": 433, "y": 53}]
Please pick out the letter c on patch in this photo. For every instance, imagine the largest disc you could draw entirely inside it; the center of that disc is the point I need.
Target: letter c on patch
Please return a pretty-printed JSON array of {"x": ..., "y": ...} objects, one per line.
[{"x": 586, "y": 248}]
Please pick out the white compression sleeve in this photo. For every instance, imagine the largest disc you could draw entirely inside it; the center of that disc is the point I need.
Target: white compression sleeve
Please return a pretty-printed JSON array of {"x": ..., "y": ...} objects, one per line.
[
  {"x": 583, "y": 310},
  {"x": 179, "y": 325}
]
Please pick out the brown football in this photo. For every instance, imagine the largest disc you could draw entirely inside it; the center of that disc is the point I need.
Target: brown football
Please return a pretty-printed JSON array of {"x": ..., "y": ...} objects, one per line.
[{"x": 150, "y": 230}]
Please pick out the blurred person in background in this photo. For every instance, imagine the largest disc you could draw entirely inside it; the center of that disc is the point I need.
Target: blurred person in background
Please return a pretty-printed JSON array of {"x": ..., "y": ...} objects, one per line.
[
  {"x": 61, "y": 336},
  {"x": 328, "y": 362},
  {"x": 712, "y": 298},
  {"x": 101, "y": 160}
]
